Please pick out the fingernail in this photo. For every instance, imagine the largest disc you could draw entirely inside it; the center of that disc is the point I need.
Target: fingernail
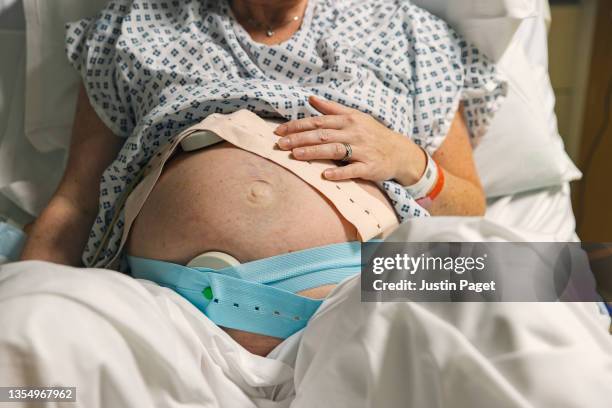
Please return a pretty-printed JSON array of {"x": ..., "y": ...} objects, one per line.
[
  {"x": 328, "y": 173},
  {"x": 299, "y": 151},
  {"x": 280, "y": 129},
  {"x": 284, "y": 142}
]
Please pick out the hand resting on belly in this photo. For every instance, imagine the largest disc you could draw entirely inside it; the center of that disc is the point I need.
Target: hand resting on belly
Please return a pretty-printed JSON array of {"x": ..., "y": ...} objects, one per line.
[{"x": 227, "y": 199}]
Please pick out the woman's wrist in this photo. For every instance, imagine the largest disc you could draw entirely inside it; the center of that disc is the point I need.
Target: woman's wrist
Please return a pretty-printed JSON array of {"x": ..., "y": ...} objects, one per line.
[{"x": 411, "y": 162}]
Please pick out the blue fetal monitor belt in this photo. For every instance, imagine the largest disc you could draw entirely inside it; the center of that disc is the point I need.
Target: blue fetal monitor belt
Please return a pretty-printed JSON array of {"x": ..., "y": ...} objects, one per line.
[{"x": 260, "y": 296}]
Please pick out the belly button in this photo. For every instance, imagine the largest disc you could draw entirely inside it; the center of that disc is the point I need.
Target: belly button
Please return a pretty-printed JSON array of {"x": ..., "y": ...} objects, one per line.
[{"x": 260, "y": 193}]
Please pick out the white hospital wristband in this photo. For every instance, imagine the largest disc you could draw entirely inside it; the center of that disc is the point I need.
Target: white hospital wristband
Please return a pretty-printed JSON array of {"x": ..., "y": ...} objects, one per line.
[{"x": 426, "y": 183}]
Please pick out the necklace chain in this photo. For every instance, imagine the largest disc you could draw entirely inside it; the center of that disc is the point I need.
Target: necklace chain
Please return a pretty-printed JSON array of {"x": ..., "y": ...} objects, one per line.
[{"x": 271, "y": 29}]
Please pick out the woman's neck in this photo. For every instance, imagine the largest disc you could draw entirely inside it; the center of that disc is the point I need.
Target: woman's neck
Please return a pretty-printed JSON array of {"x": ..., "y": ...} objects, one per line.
[{"x": 262, "y": 17}]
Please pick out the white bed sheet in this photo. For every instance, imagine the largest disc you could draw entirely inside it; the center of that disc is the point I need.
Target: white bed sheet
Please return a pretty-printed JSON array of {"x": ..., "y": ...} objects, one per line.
[
  {"x": 545, "y": 214},
  {"x": 125, "y": 343}
]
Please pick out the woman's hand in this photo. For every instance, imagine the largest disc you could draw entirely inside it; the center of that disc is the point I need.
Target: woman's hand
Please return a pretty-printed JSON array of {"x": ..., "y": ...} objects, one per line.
[{"x": 378, "y": 152}]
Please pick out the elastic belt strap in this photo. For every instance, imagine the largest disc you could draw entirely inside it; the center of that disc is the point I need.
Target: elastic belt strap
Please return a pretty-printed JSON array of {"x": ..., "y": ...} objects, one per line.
[
  {"x": 246, "y": 130},
  {"x": 257, "y": 296}
]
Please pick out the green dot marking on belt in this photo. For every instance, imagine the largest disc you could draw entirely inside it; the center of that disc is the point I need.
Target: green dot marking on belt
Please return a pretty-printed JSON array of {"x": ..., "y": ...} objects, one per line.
[{"x": 207, "y": 292}]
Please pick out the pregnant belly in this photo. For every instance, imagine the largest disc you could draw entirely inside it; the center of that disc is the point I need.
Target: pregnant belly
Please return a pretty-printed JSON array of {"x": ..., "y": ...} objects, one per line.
[{"x": 227, "y": 199}]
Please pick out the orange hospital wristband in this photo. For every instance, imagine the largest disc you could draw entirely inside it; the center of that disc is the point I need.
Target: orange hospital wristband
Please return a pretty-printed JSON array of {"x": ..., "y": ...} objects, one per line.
[{"x": 435, "y": 190}]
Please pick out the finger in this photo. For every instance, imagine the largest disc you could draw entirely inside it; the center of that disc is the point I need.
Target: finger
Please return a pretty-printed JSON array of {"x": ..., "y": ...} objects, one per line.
[
  {"x": 311, "y": 123},
  {"x": 329, "y": 151},
  {"x": 328, "y": 107},
  {"x": 313, "y": 137},
  {"x": 353, "y": 170}
]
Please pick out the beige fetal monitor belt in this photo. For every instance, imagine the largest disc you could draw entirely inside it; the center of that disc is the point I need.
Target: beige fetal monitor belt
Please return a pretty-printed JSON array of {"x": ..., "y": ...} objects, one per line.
[{"x": 246, "y": 130}]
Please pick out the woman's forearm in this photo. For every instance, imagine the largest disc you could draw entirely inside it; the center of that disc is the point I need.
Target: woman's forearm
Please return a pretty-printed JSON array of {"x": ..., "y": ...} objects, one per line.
[
  {"x": 462, "y": 193},
  {"x": 458, "y": 197},
  {"x": 60, "y": 233}
]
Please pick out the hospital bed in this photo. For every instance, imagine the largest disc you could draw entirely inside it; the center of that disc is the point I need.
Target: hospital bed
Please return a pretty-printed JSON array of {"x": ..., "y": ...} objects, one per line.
[{"x": 528, "y": 193}]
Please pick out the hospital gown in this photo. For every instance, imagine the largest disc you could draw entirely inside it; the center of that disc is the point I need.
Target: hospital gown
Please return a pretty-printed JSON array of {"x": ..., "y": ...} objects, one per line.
[{"x": 152, "y": 68}]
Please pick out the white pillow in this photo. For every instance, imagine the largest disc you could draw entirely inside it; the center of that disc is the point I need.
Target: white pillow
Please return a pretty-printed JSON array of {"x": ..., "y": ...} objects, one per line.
[
  {"x": 489, "y": 24},
  {"x": 51, "y": 83},
  {"x": 27, "y": 176},
  {"x": 522, "y": 150},
  {"x": 518, "y": 135}
]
